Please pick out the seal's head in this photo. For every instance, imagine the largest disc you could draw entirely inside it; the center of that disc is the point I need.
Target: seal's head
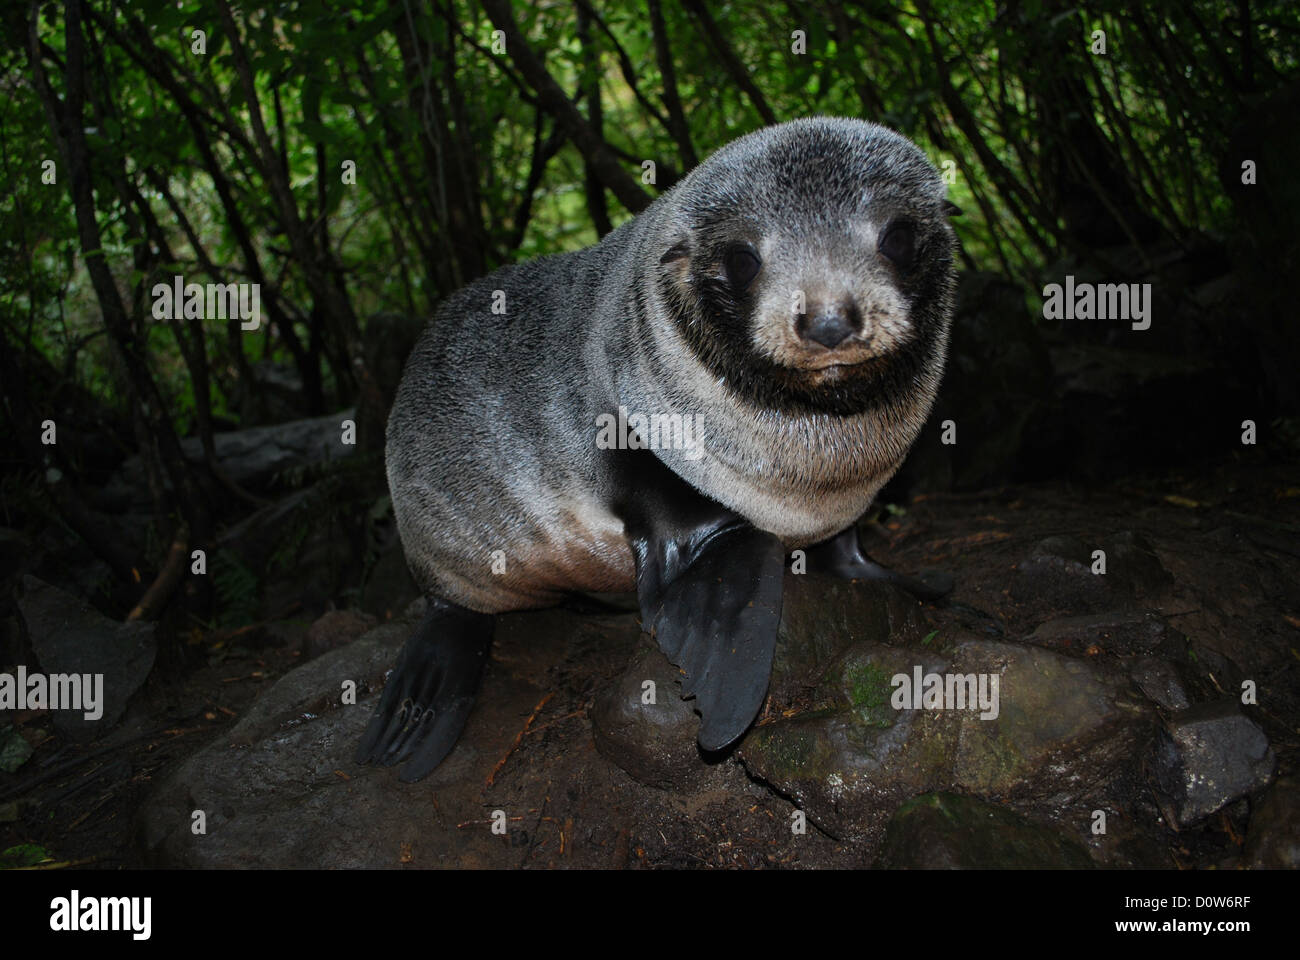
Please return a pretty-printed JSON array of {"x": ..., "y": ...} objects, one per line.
[{"x": 811, "y": 268}]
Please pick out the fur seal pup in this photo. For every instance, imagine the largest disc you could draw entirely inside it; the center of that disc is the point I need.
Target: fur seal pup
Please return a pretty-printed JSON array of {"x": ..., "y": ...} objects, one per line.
[{"x": 790, "y": 300}]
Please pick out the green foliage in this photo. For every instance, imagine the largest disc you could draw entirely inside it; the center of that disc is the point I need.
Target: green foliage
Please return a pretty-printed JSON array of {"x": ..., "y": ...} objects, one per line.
[
  {"x": 444, "y": 140},
  {"x": 333, "y": 493},
  {"x": 237, "y": 589},
  {"x": 23, "y": 855}
]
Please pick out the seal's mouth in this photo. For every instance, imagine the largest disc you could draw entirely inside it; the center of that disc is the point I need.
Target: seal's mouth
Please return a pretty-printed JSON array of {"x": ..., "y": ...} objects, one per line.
[
  {"x": 837, "y": 385},
  {"x": 835, "y": 363},
  {"x": 842, "y": 360}
]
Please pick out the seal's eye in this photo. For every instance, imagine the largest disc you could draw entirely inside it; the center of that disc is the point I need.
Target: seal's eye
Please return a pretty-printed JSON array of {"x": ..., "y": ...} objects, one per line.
[
  {"x": 742, "y": 266},
  {"x": 899, "y": 244}
]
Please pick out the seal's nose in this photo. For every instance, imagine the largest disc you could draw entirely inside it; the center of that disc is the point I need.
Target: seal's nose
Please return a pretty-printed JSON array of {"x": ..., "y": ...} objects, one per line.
[{"x": 831, "y": 326}]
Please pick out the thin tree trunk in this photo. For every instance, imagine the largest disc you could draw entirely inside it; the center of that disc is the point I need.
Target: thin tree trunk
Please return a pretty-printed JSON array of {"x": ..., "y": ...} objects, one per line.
[
  {"x": 677, "y": 124},
  {"x": 330, "y": 297},
  {"x": 738, "y": 72},
  {"x": 597, "y": 208},
  {"x": 553, "y": 98},
  {"x": 67, "y": 123}
]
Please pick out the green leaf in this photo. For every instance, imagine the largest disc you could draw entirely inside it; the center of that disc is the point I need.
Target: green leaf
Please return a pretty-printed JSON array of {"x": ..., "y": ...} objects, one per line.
[{"x": 24, "y": 855}]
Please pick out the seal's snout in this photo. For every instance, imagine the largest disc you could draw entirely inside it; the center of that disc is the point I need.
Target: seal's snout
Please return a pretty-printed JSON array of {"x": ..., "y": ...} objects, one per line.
[
  {"x": 830, "y": 326},
  {"x": 838, "y": 332}
]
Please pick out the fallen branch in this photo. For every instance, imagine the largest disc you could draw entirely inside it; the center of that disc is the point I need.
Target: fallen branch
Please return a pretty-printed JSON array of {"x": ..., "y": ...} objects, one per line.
[
  {"x": 519, "y": 738},
  {"x": 164, "y": 585}
]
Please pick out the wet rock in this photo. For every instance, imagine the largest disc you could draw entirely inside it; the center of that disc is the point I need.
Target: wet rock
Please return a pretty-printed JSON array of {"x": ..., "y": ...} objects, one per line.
[
  {"x": 1206, "y": 757},
  {"x": 1274, "y": 838},
  {"x": 251, "y": 457},
  {"x": 1058, "y": 575},
  {"x": 1119, "y": 632},
  {"x": 1063, "y": 733},
  {"x": 1065, "y": 727},
  {"x": 334, "y": 629},
  {"x": 653, "y": 742},
  {"x": 822, "y": 615},
  {"x": 850, "y": 758},
  {"x": 69, "y": 636},
  {"x": 1132, "y": 559},
  {"x": 947, "y": 831},
  {"x": 310, "y": 692},
  {"x": 14, "y": 748},
  {"x": 1135, "y": 836},
  {"x": 280, "y": 789},
  {"x": 1161, "y": 682},
  {"x": 254, "y": 456},
  {"x": 1072, "y": 552},
  {"x": 267, "y": 785}
]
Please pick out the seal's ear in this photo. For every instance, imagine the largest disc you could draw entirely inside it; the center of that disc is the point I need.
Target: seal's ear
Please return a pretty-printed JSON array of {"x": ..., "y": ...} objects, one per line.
[
  {"x": 675, "y": 264},
  {"x": 951, "y": 209},
  {"x": 681, "y": 250}
]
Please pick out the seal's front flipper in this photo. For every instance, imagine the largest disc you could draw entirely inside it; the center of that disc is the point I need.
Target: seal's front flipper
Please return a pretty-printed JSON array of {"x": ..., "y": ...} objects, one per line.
[
  {"x": 717, "y": 620},
  {"x": 709, "y": 588},
  {"x": 430, "y": 691},
  {"x": 842, "y": 556}
]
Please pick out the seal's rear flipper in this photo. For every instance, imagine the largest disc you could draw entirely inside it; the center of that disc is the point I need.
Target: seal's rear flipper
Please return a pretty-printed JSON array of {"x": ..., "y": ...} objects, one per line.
[
  {"x": 709, "y": 588},
  {"x": 842, "y": 556},
  {"x": 430, "y": 691}
]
